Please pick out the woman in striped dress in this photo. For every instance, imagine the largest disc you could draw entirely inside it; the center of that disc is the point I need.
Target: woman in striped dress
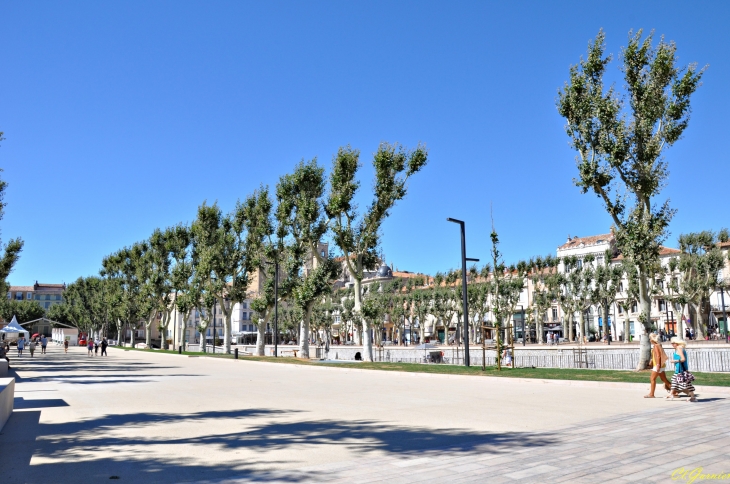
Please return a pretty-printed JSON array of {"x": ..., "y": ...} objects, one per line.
[{"x": 680, "y": 364}]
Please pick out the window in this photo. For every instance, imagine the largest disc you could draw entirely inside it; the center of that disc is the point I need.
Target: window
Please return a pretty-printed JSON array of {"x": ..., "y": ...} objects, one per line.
[
  {"x": 660, "y": 284},
  {"x": 48, "y": 297},
  {"x": 580, "y": 263},
  {"x": 58, "y": 297},
  {"x": 19, "y": 296},
  {"x": 621, "y": 286},
  {"x": 633, "y": 307},
  {"x": 662, "y": 305},
  {"x": 620, "y": 310},
  {"x": 29, "y": 296},
  {"x": 555, "y": 314},
  {"x": 245, "y": 305}
]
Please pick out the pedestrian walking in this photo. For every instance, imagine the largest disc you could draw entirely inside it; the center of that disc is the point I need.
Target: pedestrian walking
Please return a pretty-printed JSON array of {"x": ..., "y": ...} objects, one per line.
[
  {"x": 90, "y": 347},
  {"x": 682, "y": 378},
  {"x": 65, "y": 346},
  {"x": 21, "y": 346},
  {"x": 104, "y": 344},
  {"x": 44, "y": 343},
  {"x": 658, "y": 362},
  {"x": 31, "y": 347},
  {"x": 96, "y": 347}
]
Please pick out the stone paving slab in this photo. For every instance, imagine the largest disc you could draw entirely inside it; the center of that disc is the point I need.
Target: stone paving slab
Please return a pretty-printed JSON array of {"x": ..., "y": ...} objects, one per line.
[{"x": 165, "y": 418}]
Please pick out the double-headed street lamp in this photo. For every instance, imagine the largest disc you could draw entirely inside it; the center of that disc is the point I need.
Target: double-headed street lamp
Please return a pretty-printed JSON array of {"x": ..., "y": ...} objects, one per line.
[{"x": 465, "y": 300}]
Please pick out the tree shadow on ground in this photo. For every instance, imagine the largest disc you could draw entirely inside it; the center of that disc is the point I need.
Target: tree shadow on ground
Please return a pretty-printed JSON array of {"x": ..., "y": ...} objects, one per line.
[{"x": 74, "y": 448}]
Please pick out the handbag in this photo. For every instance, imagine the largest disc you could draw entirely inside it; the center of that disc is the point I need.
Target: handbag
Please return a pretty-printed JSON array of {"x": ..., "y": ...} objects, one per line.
[{"x": 685, "y": 377}]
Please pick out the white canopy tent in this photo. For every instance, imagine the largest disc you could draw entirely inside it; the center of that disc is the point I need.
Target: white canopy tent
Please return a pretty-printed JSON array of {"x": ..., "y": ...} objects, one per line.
[{"x": 14, "y": 331}]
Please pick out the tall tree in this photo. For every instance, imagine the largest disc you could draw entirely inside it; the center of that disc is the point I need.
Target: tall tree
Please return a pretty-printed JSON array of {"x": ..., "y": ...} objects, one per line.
[
  {"x": 358, "y": 236},
  {"x": 621, "y": 140},
  {"x": 301, "y": 210},
  {"x": 227, "y": 245},
  {"x": 154, "y": 270},
  {"x": 179, "y": 243},
  {"x": 123, "y": 268}
]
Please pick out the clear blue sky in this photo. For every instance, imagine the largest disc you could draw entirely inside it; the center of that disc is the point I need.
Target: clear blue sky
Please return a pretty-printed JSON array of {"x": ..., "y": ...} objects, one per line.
[{"x": 121, "y": 117}]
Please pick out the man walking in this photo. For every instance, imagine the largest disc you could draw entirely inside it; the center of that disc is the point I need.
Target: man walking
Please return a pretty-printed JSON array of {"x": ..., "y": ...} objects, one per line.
[
  {"x": 21, "y": 345},
  {"x": 44, "y": 343},
  {"x": 104, "y": 344}
]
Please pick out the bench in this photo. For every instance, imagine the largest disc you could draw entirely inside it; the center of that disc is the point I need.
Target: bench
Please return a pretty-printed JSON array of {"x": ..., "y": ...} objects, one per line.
[
  {"x": 289, "y": 353},
  {"x": 7, "y": 396}
]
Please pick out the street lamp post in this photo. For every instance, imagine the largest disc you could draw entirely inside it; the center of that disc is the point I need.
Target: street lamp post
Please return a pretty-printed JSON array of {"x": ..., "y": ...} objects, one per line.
[{"x": 464, "y": 299}]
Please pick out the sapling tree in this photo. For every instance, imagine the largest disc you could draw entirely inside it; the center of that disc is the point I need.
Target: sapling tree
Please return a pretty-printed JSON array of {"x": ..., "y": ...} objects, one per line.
[{"x": 621, "y": 140}]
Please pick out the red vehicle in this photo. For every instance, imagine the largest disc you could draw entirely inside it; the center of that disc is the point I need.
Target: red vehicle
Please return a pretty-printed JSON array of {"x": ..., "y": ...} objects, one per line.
[{"x": 83, "y": 339}]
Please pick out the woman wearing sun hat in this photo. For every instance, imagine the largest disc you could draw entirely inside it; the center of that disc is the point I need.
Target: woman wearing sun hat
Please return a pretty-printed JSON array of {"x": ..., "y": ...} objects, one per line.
[
  {"x": 658, "y": 362},
  {"x": 680, "y": 384}
]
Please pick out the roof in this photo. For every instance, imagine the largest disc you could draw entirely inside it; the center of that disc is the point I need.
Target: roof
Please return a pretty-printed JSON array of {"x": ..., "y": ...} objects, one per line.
[
  {"x": 408, "y": 275},
  {"x": 21, "y": 288},
  {"x": 43, "y": 285},
  {"x": 724, "y": 245},
  {"x": 575, "y": 242},
  {"x": 662, "y": 251}
]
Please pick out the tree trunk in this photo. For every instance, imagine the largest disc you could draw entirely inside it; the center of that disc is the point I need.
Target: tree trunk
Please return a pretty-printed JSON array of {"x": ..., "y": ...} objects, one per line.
[
  {"x": 571, "y": 326},
  {"x": 627, "y": 327},
  {"x": 699, "y": 323},
  {"x": 645, "y": 319},
  {"x": 582, "y": 324},
  {"x": 304, "y": 331},
  {"x": 606, "y": 328},
  {"x": 148, "y": 334},
  {"x": 261, "y": 335},
  {"x": 367, "y": 345}
]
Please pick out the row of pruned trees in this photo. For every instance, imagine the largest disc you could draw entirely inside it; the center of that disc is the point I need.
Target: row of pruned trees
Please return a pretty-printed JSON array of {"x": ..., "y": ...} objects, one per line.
[{"x": 221, "y": 259}]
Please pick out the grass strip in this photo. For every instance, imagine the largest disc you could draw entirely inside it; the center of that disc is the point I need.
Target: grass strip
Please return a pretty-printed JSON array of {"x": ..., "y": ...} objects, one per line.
[{"x": 629, "y": 376}]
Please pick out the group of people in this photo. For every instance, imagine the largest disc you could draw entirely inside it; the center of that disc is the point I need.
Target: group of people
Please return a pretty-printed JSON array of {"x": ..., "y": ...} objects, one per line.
[
  {"x": 94, "y": 345},
  {"x": 553, "y": 338},
  {"x": 682, "y": 379},
  {"x": 30, "y": 345}
]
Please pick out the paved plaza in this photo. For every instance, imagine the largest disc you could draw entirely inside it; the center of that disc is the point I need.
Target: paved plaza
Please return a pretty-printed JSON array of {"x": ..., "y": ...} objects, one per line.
[{"x": 146, "y": 417}]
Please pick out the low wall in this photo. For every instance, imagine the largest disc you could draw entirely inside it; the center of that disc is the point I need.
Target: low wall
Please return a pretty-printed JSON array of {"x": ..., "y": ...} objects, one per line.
[
  {"x": 612, "y": 357},
  {"x": 3, "y": 368},
  {"x": 7, "y": 396}
]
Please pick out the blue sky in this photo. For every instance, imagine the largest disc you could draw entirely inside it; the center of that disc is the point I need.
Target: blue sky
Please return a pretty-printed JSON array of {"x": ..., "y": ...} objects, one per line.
[{"x": 121, "y": 117}]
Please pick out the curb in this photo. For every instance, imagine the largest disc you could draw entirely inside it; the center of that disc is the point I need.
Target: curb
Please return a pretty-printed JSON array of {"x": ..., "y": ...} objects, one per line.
[{"x": 491, "y": 379}]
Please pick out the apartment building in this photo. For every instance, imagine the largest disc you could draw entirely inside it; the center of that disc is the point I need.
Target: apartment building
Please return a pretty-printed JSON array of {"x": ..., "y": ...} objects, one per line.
[{"x": 44, "y": 294}]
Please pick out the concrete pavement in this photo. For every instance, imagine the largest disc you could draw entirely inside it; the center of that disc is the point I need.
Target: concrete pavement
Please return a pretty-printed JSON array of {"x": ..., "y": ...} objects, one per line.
[{"x": 151, "y": 417}]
